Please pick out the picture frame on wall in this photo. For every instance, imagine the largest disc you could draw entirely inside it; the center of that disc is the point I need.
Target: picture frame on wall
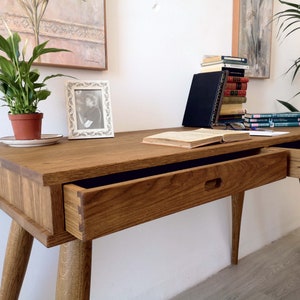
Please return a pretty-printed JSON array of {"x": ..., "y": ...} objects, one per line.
[
  {"x": 252, "y": 35},
  {"x": 89, "y": 110},
  {"x": 78, "y": 26}
]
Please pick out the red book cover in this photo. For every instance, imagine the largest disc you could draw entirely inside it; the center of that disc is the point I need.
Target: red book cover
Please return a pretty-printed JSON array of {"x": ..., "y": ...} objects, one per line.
[
  {"x": 237, "y": 79},
  {"x": 235, "y": 93},
  {"x": 236, "y": 86}
]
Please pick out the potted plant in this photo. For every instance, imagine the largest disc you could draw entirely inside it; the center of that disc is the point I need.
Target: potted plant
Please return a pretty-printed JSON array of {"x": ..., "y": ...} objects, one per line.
[
  {"x": 21, "y": 85},
  {"x": 289, "y": 23}
]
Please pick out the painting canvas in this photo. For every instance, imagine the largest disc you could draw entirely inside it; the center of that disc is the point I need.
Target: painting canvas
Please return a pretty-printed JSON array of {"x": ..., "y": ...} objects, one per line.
[
  {"x": 252, "y": 32},
  {"x": 78, "y": 26}
]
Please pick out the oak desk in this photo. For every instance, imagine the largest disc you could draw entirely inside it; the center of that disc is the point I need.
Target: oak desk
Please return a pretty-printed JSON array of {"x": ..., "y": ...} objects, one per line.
[{"x": 75, "y": 191}]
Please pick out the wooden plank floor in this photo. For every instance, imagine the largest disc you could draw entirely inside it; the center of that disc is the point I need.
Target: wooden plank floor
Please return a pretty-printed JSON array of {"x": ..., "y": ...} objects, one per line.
[{"x": 272, "y": 272}]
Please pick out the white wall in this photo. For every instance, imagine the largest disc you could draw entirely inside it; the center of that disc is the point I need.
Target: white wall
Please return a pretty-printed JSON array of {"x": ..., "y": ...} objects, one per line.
[{"x": 152, "y": 55}]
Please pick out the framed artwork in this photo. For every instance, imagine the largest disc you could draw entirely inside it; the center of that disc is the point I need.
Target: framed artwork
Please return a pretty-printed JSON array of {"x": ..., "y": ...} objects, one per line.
[
  {"x": 89, "y": 109},
  {"x": 252, "y": 34},
  {"x": 78, "y": 26}
]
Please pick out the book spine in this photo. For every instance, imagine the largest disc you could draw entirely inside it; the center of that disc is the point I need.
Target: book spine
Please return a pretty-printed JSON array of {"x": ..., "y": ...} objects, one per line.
[
  {"x": 272, "y": 124},
  {"x": 235, "y": 93},
  {"x": 234, "y": 72},
  {"x": 232, "y": 111},
  {"x": 237, "y": 66},
  {"x": 234, "y": 99},
  {"x": 236, "y": 86},
  {"x": 235, "y": 58},
  {"x": 285, "y": 119},
  {"x": 237, "y": 79},
  {"x": 286, "y": 124},
  {"x": 287, "y": 115},
  {"x": 259, "y": 120},
  {"x": 219, "y": 96},
  {"x": 273, "y": 115},
  {"x": 224, "y": 121},
  {"x": 272, "y": 120},
  {"x": 226, "y": 65},
  {"x": 257, "y": 116},
  {"x": 211, "y": 58},
  {"x": 257, "y": 125},
  {"x": 233, "y": 116}
]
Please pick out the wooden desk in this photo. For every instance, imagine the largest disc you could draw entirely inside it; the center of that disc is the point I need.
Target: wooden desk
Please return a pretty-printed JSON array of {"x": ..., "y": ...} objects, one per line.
[{"x": 73, "y": 192}]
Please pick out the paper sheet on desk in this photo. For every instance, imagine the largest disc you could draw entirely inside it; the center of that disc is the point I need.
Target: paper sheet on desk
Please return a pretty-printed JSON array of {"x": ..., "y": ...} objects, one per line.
[{"x": 266, "y": 132}]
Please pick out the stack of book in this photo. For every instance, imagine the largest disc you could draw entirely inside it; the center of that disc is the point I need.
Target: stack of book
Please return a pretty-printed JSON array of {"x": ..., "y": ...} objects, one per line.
[
  {"x": 286, "y": 119},
  {"x": 235, "y": 65},
  {"x": 235, "y": 89}
]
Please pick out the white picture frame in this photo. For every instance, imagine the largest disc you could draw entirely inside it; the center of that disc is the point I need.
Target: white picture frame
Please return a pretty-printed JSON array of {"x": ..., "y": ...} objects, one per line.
[{"x": 89, "y": 111}]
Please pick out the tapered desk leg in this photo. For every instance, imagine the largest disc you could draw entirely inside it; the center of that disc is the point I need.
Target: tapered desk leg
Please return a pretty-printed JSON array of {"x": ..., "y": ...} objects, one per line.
[
  {"x": 74, "y": 271},
  {"x": 237, "y": 202},
  {"x": 16, "y": 259}
]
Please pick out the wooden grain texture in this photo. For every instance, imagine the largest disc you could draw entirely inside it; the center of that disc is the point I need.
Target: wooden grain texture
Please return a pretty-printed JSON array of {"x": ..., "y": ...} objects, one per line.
[
  {"x": 28, "y": 196},
  {"x": 74, "y": 160},
  {"x": 45, "y": 237},
  {"x": 237, "y": 201},
  {"x": 294, "y": 163},
  {"x": 91, "y": 213},
  {"x": 74, "y": 272},
  {"x": 16, "y": 259},
  {"x": 235, "y": 27},
  {"x": 271, "y": 273},
  {"x": 38, "y": 208}
]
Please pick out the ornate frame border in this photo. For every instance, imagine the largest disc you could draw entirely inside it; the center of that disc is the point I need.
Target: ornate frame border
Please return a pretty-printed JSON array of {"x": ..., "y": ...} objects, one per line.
[{"x": 76, "y": 94}]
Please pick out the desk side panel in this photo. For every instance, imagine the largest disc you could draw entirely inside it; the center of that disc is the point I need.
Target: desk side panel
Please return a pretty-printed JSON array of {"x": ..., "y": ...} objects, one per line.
[
  {"x": 294, "y": 163},
  {"x": 37, "y": 208}
]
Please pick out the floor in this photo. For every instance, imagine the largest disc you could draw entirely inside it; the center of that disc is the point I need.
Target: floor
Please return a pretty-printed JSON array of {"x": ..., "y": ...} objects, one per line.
[{"x": 267, "y": 274}]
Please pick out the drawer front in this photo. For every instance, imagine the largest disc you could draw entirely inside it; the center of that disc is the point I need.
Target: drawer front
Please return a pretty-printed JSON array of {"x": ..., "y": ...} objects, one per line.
[{"x": 91, "y": 213}]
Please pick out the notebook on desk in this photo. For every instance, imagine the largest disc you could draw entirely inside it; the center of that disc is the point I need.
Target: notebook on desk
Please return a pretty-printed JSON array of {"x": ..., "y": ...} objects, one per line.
[{"x": 204, "y": 99}]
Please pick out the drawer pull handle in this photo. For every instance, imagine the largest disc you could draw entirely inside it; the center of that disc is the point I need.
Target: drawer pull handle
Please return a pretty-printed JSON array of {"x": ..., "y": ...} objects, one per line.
[{"x": 212, "y": 184}]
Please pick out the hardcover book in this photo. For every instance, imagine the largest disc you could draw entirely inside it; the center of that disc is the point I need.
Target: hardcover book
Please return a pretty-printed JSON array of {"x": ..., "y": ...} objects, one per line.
[
  {"x": 236, "y": 72},
  {"x": 234, "y": 99},
  {"x": 204, "y": 100},
  {"x": 241, "y": 93},
  {"x": 215, "y": 58},
  {"x": 226, "y": 65},
  {"x": 230, "y": 109},
  {"x": 273, "y": 115},
  {"x": 237, "y": 79},
  {"x": 196, "y": 138},
  {"x": 236, "y": 86}
]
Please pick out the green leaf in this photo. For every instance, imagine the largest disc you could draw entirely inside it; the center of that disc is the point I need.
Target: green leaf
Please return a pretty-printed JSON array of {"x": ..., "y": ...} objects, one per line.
[
  {"x": 6, "y": 67},
  {"x": 56, "y": 75},
  {"x": 21, "y": 84},
  {"x": 288, "y": 105},
  {"x": 289, "y": 3},
  {"x": 43, "y": 94}
]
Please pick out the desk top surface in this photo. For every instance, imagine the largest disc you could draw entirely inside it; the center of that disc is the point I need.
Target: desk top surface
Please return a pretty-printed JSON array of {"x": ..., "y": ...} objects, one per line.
[{"x": 71, "y": 160}]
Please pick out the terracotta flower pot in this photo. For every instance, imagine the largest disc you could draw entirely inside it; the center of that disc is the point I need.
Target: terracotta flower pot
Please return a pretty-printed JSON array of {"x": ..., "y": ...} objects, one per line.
[{"x": 27, "y": 126}]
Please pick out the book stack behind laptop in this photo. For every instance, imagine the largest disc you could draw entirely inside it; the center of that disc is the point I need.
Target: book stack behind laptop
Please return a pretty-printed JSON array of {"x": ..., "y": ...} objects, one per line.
[
  {"x": 235, "y": 90},
  {"x": 264, "y": 120}
]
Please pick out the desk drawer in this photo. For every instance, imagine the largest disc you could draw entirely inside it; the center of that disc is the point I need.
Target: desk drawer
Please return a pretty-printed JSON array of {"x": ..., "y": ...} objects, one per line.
[{"x": 97, "y": 211}]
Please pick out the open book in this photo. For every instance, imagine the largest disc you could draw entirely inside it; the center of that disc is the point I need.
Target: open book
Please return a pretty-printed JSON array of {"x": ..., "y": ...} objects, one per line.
[{"x": 196, "y": 138}]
